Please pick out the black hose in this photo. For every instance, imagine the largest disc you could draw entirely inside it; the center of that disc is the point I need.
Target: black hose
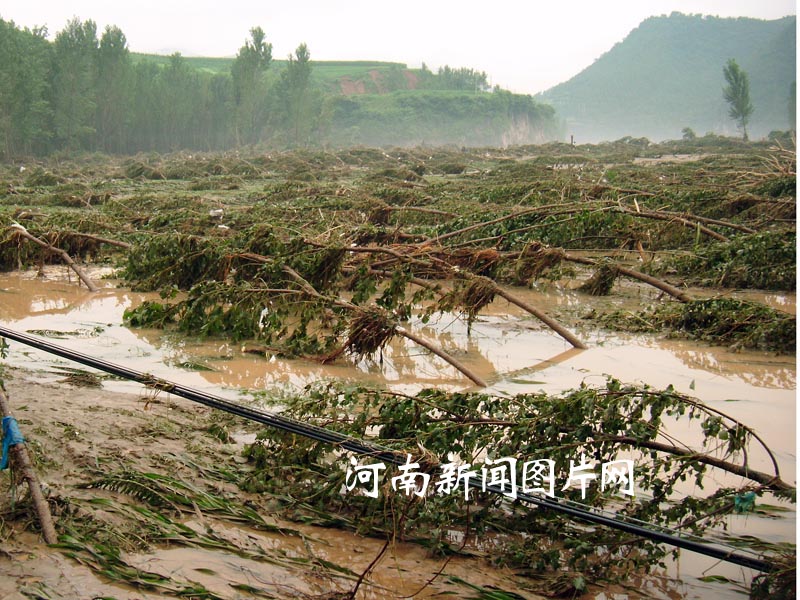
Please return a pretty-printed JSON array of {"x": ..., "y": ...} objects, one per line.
[{"x": 370, "y": 449}]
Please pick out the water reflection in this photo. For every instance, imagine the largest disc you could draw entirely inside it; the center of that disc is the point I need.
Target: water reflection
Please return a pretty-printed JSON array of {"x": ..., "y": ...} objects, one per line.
[
  {"x": 504, "y": 347},
  {"x": 652, "y": 360},
  {"x": 766, "y": 371}
]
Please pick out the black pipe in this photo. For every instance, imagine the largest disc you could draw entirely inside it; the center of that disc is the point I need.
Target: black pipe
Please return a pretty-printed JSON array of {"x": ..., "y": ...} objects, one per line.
[{"x": 367, "y": 448}]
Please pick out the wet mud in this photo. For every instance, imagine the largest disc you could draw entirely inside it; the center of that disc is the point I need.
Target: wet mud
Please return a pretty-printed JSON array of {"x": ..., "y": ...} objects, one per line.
[{"x": 508, "y": 348}]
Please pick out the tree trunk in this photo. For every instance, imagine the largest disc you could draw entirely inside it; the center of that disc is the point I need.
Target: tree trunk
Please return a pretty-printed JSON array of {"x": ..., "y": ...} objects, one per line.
[
  {"x": 20, "y": 230},
  {"x": 19, "y": 454}
]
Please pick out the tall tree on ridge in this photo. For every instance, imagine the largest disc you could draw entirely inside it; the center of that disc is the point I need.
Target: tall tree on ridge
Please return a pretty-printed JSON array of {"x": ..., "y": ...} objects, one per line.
[{"x": 737, "y": 95}]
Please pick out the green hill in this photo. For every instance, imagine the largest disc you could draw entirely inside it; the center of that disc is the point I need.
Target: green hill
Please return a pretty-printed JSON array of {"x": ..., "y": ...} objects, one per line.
[
  {"x": 667, "y": 75},
  {"x": 437, "y": 117}
]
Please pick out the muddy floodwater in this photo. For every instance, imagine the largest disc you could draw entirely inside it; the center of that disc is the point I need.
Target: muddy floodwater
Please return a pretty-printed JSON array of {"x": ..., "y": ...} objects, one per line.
[{"x": 509, "y": 349}]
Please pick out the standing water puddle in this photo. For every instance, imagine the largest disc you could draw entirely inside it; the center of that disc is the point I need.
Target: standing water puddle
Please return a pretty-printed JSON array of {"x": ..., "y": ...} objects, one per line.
[{"x": 506, "y": 347}]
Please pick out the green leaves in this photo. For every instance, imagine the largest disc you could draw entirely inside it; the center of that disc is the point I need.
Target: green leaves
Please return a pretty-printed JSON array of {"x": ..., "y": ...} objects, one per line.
[
  {"x": 720, "y": 321},
  {"x": 602, "y": 424},
  {"x": 175, "y": 260},
  {"x": 737, "y": 94},
  {"x": 765, "y": 260},
  {"x": 74, "y": 83},
  {"x": 150, "y": 314}
]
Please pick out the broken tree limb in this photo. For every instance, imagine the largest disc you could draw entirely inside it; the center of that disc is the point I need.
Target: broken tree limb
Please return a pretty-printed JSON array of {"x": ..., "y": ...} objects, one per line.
[
  {"x": 19, "y": 453},
  {"x": 657, "y": 283},
  {"x": 457, "y": 272},
  {"x": 634, "y": 274},
  {"x": 401, "y": 331},
  {"x": 672, "y": 217},
  {"x": 773, "y": 482},
  {"x": 101, "y": 240},
  {"x": 441, "y": 354},
  {"x": 22, "y": 232},
  {"x": 544, "y": 318}
]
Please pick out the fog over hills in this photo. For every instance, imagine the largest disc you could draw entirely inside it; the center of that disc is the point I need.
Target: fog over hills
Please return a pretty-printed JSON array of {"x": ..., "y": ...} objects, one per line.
[{"x": 667, "y": 75}]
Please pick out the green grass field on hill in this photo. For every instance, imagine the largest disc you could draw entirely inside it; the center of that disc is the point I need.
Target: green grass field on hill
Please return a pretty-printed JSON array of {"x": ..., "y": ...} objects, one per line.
[
  {"x": 325, "y": 73},
  {"x": 328, "y": 69}
]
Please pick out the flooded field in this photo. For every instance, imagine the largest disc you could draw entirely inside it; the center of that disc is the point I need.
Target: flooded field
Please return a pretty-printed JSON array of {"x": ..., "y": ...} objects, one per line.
[
  {"x": 508, "y": 348},
  {"x": 572, "y": 304}
]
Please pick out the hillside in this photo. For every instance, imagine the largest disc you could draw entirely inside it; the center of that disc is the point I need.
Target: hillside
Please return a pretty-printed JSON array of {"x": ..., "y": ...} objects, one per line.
[
  {"x": 438, "y": 117},
  {"x": 667, "y": 75}
]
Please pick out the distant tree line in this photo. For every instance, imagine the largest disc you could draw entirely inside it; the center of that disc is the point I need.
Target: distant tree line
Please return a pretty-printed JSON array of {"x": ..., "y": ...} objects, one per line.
[
  {"x": 85, "y": 92},
  {"x": 81, "y": 92},
  {"x": 448, "y": 78}
]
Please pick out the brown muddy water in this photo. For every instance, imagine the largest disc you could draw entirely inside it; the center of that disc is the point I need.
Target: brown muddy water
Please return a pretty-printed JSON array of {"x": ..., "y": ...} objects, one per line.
[{"x": 508, "y": 348}]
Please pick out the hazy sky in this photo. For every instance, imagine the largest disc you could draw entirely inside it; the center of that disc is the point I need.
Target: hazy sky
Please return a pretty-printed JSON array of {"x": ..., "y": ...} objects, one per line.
[{"x": 524, "y": 46}]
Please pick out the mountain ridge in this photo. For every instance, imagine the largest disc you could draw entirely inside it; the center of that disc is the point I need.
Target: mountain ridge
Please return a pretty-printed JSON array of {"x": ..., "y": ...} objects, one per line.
[{"x": 667, "y": 75}]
